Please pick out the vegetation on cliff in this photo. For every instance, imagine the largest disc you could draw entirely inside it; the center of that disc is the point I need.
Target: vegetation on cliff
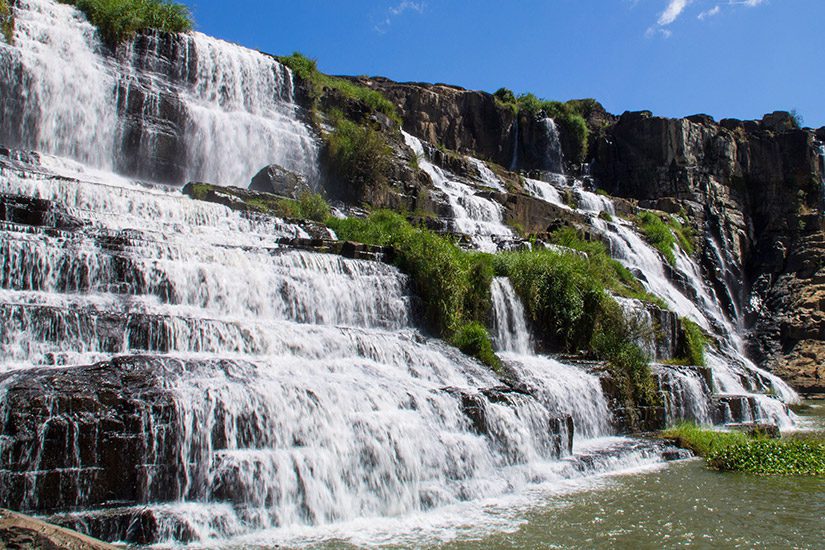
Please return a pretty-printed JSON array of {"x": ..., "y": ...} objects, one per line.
[
  {"x": 358, "y": 155},
  {"x": 611, "y": 273},
  {"x": 6, "y": 22},
  {"x": 753, "y": 454},
  {"x": 120, "y": 20},
  {"x": 454, "y": 285},
  {"x": 692, "y": 344},
  {"x": 565, "y": 298},
  {"x": 568, "y": 115},
  {"x": 664, "y": 232},
  {"x": 318, "y": 83}
]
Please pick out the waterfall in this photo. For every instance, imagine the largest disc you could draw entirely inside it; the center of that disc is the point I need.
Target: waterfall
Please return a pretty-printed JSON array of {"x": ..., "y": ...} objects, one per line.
[
  {"x": 566, "y": 388},
  {"x": 248, "y": 388},
  {"x": 509, "y": 322},
  {"x": 822, "y": 179},
  {"x": 166, "y": 108},
  {"x": 733, "y": 373},
  {"x": 515, "y": 129},
  {"x": 553, "y": 157},
  {"x": 480, "y": 218}
]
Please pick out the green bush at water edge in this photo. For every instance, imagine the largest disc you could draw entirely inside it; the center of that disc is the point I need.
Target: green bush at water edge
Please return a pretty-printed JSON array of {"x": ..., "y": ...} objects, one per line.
[
  {"x": 737, "y": 452},
  {"x": 119, "y": 20}
]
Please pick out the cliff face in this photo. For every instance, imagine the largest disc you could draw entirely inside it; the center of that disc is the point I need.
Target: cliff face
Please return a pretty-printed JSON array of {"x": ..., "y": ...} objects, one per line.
[{"x": 752, "y": 188}]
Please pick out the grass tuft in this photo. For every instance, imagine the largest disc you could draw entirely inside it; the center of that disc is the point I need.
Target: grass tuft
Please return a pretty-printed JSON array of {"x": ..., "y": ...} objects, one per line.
[
  {"x": 120, "y": 20},
  {"x": 474, "y": 340},
  {"x": 307, "y": 70},
  {"x": 358, "y": 155}
]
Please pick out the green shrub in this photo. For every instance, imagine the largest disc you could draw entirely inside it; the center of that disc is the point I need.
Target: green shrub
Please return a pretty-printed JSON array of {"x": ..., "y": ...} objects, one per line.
[
  {"x": 505, "y": 96},
  {"x": 358, "y": 155},
  {"x": 692, "y": 344},
  {"x": 613, "y": 275},
  {"x": 569, "y": 116},
  {"x": 658, "y": 234},
  {"x": 614, "y": 341},
  {"x": 772, "y": 457},
  {"x": 120, "y": 20},
  {"x": 684, "y": 233},
  {"x": 474, "y": 340},
  {"x": 737, "y": 452},
  {"x": 6, "y": 21},
  {"x": 454, "y": 286},
  {"x": 307, "y": 70}
]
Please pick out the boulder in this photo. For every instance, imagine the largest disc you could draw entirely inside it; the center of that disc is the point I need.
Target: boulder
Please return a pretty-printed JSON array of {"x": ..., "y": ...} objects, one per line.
[
  {"x": 278, "y": 180},
  {"x": 19, "y": 531}
]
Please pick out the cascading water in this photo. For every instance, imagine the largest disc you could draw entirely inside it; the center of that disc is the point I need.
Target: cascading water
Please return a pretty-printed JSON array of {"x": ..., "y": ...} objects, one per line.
[
  {"x": 565, "y": 387},
  {"x": 822, "y": 181},
  {"x": 297, "y": 391},
  {"x": 478, "y": 217},
  {"x": 553, "y": 158},
  {"x": 732, "y": 374},
  {"x": 170, "y": 372},
  {"x": 167, "y": 108}
]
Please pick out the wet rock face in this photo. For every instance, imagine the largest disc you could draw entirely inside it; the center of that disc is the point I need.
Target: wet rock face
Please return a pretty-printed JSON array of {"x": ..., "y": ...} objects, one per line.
[
  {"x": 280, "y": 181},
  {"x": 458, "y": 119},
  {"x": 748, "y": 188},
  {"x": 86, "y": 436}
]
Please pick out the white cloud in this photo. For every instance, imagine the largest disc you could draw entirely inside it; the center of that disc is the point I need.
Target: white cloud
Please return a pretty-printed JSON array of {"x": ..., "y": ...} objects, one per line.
[
  {"x": 395, "y": 11},
  {"x": 672, "y": 12},
  {"x": 676, "y": 8}
]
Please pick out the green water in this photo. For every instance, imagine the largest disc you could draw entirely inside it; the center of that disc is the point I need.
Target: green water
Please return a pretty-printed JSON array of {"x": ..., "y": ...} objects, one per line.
[
  {"x": 678, "y": 505},
  {"x": 683, "y": 505}
]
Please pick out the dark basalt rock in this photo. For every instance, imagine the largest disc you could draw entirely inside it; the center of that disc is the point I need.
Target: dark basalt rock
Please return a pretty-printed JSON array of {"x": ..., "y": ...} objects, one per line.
[
  {"x": 278, "y": 180},
  {"x": 86, "y": 436},
  {"x": 461, "y": 120}
]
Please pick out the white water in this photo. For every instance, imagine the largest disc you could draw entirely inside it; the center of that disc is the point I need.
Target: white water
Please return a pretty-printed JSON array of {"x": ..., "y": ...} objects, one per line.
[
  {"x": 554, "y": 159},
  {"x": 305, "y": 398},
  {"x": 570, "y": 390},
  {"x": 733, "y": 372},
  {"x": 478, "y": 217},
  {"x": 309, "y": 406},
  {"x": 238, "y": 113},
  {"x": 510, "y": 331}
]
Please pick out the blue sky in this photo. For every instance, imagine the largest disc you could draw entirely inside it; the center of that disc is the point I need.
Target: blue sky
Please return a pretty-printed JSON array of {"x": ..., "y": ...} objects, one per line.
[{"x": 726, "y": 58}]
